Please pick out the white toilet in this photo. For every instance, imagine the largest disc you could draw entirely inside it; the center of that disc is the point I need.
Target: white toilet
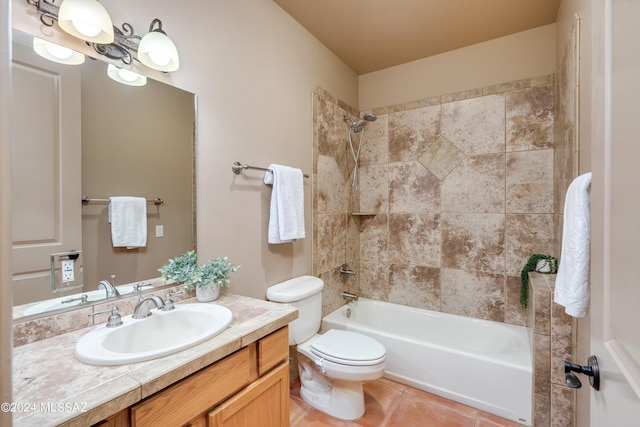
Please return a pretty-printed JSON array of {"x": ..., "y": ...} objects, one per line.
[{"x": 332, "y": 365}]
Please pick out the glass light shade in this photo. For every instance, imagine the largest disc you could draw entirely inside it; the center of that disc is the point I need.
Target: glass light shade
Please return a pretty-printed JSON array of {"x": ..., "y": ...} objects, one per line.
[
  {"x": 87, "y": 20},
  {"x": 126, "y": 77},
  {"x": 157, "y": 51},
  {"x": 56, "y": 53}
]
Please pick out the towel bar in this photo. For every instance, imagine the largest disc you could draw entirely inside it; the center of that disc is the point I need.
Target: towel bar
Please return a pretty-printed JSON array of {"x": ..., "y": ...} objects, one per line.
[
  {"x": 157, "y": 201},
  {"x": 238, "y": 167}
]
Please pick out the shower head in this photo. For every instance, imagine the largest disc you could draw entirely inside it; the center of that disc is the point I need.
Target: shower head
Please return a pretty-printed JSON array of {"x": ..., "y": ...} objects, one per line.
[{"x": 359, "y": 125}]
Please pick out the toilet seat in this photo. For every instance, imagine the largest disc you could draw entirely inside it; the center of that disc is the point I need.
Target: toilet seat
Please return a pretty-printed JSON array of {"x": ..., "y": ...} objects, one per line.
[{"x": 348, "y": 348}]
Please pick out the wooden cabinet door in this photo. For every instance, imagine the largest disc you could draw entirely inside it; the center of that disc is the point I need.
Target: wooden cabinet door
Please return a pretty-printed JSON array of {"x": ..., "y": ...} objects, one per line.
[
  {"x": 185, "y": 400},
  {"x": 264, "y": 403}
]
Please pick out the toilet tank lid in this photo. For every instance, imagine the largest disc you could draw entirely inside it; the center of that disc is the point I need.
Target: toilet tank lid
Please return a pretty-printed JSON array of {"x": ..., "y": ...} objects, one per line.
[{"x": 295, "y": 289}]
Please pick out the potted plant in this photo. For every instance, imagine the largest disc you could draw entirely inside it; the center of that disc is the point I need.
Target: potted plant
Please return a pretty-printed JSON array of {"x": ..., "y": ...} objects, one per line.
[{"x": 206, "y": 279}]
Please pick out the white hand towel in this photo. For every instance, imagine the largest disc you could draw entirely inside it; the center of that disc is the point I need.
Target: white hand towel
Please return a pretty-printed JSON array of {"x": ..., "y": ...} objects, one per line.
[
  {"x": 286, "y": 216},
  {"x": 128, "y": 218},
  {"x": 572, "y": 281}
]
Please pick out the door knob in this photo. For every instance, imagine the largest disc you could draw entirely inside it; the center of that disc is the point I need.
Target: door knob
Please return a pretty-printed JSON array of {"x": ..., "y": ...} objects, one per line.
[{"x": 592, "y": 370}]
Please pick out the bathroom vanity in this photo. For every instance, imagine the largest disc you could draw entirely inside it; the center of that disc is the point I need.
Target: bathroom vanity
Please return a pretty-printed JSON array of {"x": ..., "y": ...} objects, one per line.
[{"x": 239, "y": 377}]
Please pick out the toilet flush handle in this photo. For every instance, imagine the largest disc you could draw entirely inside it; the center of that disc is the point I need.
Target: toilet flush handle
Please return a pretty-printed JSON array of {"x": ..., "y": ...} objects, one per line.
[{"x": 320, "y": 365}]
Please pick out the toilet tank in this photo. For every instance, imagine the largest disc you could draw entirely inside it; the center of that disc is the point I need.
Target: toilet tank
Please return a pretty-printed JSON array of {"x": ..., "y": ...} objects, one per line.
[{"x": 304, "y": 293}]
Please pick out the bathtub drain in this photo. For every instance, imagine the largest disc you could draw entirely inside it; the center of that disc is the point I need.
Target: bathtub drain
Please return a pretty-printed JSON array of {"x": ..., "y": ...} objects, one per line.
[{"x": 348, "y": 313}]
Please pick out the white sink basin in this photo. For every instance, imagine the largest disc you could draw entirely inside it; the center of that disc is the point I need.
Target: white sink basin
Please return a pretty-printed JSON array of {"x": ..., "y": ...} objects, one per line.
[{"x": 162, "y": 333}]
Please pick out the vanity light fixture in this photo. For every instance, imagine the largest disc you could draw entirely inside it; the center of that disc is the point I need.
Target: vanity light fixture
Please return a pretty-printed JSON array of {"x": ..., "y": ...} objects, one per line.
[
  {"x": 56, "y": 53},
  {"x": 87, "y": 20},
  {"x": 125, "y": 76},
  {"x": 155, "y": 50}
]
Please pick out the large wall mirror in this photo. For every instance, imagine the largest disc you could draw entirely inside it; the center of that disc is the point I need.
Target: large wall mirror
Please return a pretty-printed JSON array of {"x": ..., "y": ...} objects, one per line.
[{"x": 78, "y": 133}]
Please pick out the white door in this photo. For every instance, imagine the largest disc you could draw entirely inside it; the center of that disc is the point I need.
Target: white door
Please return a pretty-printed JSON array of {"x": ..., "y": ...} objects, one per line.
[
  {"x": 46, "y": 169},
  {"x": 615, "y": 299}
]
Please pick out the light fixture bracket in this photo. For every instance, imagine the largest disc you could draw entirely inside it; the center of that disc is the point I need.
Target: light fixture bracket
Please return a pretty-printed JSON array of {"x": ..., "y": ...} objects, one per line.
[
  {"x": 125, "y": 42},
  {"x": 48, "y": 11}
]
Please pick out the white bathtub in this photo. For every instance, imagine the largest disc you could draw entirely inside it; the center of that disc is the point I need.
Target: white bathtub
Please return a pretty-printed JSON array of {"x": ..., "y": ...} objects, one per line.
[{"x": 483, "y": 364}]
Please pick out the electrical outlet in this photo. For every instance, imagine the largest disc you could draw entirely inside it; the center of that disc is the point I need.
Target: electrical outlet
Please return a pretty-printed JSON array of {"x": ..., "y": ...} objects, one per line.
[
  {"x": 68, "y": 273},
  {"x": 159, "y": 230}
]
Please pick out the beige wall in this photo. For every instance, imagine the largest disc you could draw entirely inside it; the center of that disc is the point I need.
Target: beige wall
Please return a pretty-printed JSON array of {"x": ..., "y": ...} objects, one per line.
[
  {"x": 253, "y": 69},
  {"x": 6, "y": 343},
  {"x": 515, "y": 57}
]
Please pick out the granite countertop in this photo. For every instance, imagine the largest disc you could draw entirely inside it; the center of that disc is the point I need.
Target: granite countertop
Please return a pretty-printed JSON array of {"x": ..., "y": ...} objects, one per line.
[{"x": 51, "y": 387}]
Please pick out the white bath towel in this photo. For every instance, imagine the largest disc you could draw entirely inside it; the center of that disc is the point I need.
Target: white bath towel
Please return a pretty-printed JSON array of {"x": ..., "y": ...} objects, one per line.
[
  {"x": 572, "y": 281},
  {"x": 128, "y": 218},
  {"x": 286, "y": 213}
]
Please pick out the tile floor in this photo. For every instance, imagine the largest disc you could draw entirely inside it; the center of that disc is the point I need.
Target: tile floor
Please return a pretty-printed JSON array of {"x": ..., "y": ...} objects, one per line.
[{"x": 390, "y": 404}]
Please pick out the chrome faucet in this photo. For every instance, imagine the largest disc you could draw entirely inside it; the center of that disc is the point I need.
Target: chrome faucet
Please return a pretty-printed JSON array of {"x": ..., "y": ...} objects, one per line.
[
  {"x": 345, "y": 272},
  {"x": 110, "y": 289},
  {"x": 349, "y": 296},
  {"x": 84, "y": 299},
  {"x": 143, "y": 310}
]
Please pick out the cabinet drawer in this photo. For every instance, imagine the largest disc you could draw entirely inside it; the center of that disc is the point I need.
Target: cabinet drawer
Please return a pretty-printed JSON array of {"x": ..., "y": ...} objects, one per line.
[
  {"x": 183, "y": 401},
  {"x": 264, "y": 403},
  {"x": 272, "y": 350}
]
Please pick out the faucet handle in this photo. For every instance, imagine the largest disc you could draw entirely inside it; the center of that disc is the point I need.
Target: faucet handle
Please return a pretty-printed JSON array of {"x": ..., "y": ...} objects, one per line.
[
  {"x": 84, "y": 299},
  {"x": 168, "y": 302},
  {"x": 114, "y": 318},
  {"x": 138, "y": 286}
]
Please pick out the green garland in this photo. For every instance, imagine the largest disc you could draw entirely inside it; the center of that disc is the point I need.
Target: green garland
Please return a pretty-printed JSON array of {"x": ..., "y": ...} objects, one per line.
[{"x": 531, "y": 266}]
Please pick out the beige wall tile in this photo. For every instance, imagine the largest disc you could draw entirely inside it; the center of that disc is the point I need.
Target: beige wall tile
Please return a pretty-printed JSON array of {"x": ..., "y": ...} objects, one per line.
[
  {"x": 530, "y": 182},
  {"x": 374, "y": 188},
  {"x": 414, "y": 239},
  {"x": 477, "y": 185},
  {"x": 412, "y": 188},
  {"x": 411, "y": 131},
  {"x": 514, "y": 313},
  {"x": 330, "y": 241},
  {"x": 530, "y": 119},
  {"x": 527, "y": 234},
  {"x": 332, "y": 187},
  {"x": 415, "y": 286},
  {"x": 375, "y": 145},
  {"x": 542, "y": 363},
  {"x": 475, "y": 126},
  {"x": 441, "y": 157},
  {"x": 374, "y": 280},
  {"x": 562, "y": 406},
  {"x": 374, "y": 238},
  {"x": 541, "y": 410},
  {"x": 473, "y": 242},
  {"x": 473, "y": 294}
]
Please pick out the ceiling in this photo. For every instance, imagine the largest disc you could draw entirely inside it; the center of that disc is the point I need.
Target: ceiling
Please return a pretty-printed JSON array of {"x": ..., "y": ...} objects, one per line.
[{"x": 370, "y": 35}]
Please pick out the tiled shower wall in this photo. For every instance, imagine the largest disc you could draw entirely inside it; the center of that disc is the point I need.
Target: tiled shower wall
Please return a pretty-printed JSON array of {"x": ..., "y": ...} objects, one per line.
[{"x": 455, "y": 193}]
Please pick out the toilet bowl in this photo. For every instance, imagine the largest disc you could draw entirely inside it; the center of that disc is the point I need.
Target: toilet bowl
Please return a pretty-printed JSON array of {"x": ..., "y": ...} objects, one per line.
[{"x": 333, "y": 365}]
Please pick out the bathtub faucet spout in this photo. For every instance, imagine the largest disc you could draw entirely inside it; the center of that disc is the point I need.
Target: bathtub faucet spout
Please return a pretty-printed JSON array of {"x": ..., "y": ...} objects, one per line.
[{"x": 349, "y": 296}]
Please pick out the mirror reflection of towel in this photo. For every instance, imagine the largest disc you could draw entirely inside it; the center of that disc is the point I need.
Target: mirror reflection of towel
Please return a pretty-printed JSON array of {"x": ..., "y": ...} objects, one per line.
[
  {"x": 286, "y": 213},
  {"x": 128, "y": 218},
  {"x": 572, "y": 282}
]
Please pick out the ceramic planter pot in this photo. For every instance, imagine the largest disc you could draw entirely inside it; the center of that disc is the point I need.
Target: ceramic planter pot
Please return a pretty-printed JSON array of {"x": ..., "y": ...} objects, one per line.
[{"x": 207, "y": 293}]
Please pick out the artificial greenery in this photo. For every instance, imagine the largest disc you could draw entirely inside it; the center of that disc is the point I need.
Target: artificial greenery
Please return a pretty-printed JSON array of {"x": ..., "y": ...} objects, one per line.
[
  {"x": 180, "y": 269},
  {"x": 184, "y": 270},
  {"x": 532, "y": 265}
]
